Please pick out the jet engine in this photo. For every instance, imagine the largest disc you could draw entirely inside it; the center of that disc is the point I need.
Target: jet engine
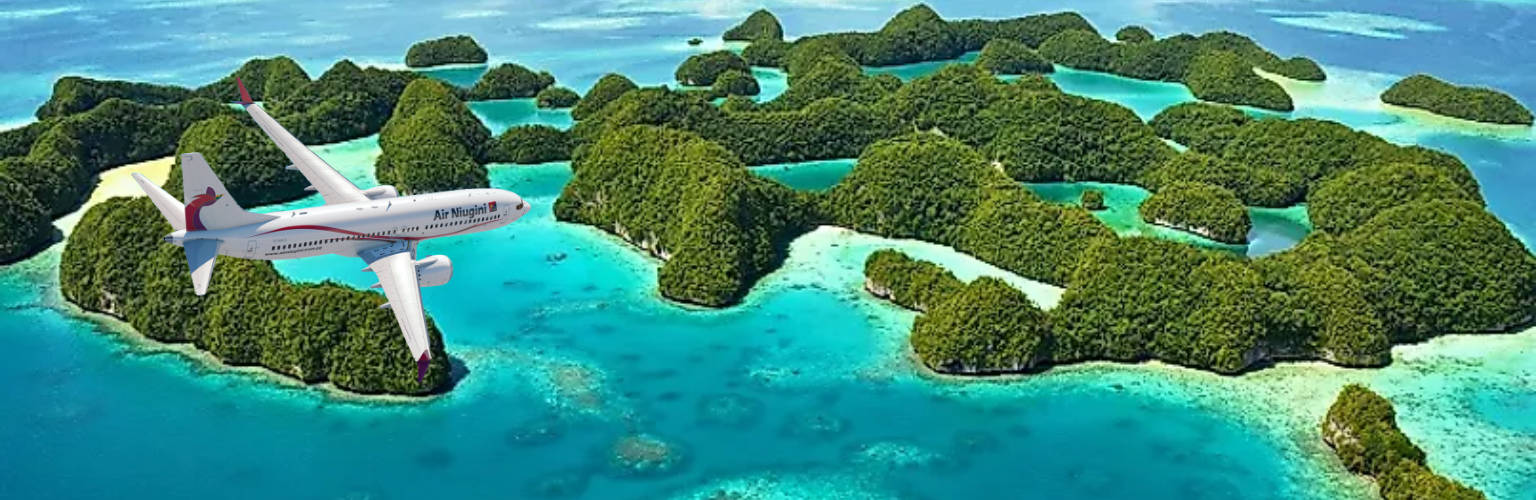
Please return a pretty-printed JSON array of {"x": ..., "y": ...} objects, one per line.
[
  {"x": 381, "y": 192},
  {"x": 434, "y": 270}
]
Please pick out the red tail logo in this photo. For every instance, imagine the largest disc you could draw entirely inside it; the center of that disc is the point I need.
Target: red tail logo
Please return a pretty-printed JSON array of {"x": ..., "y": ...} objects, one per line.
[{"x": 195, "y": 208}]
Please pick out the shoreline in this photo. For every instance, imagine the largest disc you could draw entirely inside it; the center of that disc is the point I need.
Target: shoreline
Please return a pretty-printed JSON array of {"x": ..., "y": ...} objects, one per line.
[{"x": 199, "y": 359}]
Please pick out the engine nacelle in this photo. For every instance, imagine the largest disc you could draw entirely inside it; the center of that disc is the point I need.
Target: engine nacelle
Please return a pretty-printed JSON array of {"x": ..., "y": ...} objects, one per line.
[
  {"x": 434, "y": 270},
  {"x": 381, "y": 192}
]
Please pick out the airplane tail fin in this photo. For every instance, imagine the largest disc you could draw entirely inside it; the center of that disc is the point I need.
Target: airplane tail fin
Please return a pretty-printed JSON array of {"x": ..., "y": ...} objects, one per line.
[
  {"x": 173, "y": 211},
  {"x": 208, "y": 205}
]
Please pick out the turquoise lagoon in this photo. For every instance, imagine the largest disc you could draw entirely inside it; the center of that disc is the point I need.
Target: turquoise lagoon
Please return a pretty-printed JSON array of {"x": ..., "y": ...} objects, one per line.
[{"x": 803, "y": 391}]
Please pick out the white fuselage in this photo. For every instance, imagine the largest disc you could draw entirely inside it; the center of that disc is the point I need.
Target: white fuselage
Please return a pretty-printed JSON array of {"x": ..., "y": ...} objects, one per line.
[{"x": 347, "y": 228}]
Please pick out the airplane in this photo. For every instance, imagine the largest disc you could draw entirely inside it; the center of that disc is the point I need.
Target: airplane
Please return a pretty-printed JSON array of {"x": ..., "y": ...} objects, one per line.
[{"x": 377, "y": 225}]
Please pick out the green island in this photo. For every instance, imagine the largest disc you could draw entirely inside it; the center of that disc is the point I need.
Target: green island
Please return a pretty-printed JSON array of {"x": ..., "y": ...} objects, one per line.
[
  {"x": 1093, "y": 199},
  {"x": 432, "y": 142},
  {"x": 1439, "y": 97},
  {"x": 556, "y": 97},
  {"x": 1134, "y": 34},
  {"x": 760, "y": 25},
  {"x": 689, "y": 202},
  {"x": 116, "y": 264},
  {"x": 243, "y": 157},
  {"x": 457, "y": 49},
  {"x": 703, "y": 69},
  {"x": 605, "y": 90},
  {"x": 1361, "y": 427},
  {"x": 1205, "y": 209},
  {"x": 509, "y": 81},
  {"x": 1010, "y": 57},
  {"x": 1216, "y": 66},
  {"x": 735, "y": 83},
  {"x": 530, "y": 144}
]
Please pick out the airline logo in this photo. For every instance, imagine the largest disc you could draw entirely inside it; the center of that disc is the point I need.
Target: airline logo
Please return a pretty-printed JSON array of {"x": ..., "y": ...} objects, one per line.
[
  {"x": 459, "y": 212},
  {"x": 195, "y": 208}
]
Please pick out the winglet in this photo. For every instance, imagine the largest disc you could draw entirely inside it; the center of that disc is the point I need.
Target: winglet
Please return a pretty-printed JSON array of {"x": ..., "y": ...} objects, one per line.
[
  {"x": 421, "y": 366},
  {"x": 245, "y": 97}
]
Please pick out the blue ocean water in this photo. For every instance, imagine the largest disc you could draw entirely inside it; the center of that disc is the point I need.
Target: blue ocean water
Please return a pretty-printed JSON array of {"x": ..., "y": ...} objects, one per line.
[{"x": 803, "y": 391}]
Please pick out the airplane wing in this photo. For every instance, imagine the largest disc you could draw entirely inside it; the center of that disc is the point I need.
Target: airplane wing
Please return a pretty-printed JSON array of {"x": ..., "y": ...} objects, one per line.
[
  {"x": 396, "y": 268},
  {"x": 332, "y": 185}
]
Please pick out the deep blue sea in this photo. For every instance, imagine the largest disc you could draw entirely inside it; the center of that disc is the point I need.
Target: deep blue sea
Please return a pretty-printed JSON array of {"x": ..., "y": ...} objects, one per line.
[{"x": 803, "y": 391}]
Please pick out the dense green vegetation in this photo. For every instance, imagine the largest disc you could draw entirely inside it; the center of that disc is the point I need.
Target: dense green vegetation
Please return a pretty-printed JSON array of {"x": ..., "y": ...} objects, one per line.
[
  {"x": 457, "y": 49},
  {"x": 688, "y": 201},
  {"x": 1253, "y": 186},
  {"x": 1296, "y": 68},
  {"x": 918, "y": 34},
  {"x": 829, "y": 128},
  {"x": 1136, "y": 298},
  {"x": 1093, "y": 199},
  {"x": 1361, "y": 426},
  {"x": 1134, "y": 34},
  {"x": 735, "y": 83},
  {"x": 530, "y": 144},
  {"x": 760, "y": 25},
  {"x": 1348, "y": 200},
  {"x": 1318, "y": 308},
  {"x": 1205, "y": 209},
  {"x": 345, "y": 103},
  {"x": 1437, "y": 266},
  {"x": 75, "y": 94},
  {"x": 115, "y": 263},
  {"x": 432, "y": 142},
  {"x": 607, "y": 88},
  {"x": 60, "y": 167},
  {"x": 1049, "y": 137},
  {"x": 248, "y": 163},
  {"x": 27, "y": 223},
  {"x": 703, "y": 69},
  {"x": 985, "y": 327},
  {"x": 1276, "y": 162},
  {"x": 1216, "y": 66},
  {"x": 910, "y": 283},
  {"x": 1200, "y": 126},
  {"x": 556, "y": 97},
  {"x": 1008, "y": 57},
  {"x": 919, "y": 186},
  {"x": 268, "y": 80},
  {"x": 1014, "y": 230},
  {"x": 1222, "y": 76},
  {"x": 1436, "y": 96},
  {"x": 509, "y": 81}
]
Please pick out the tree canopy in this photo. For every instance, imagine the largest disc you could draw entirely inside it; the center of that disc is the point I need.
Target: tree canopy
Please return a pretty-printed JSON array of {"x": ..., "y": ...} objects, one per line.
[
  {"x": 703, "y": 69},
  {"x": 1007, "y": 57},
  {"x": 1205, "y": 209},
  {"x": 509, "y": 81},
  {"x": 556, "y": 97},
  {"x": 1468, "y": 103},
  {"x": 607, "y": 88},
  {"x": 1361, "y": 426},
  {"x": 760, "y": 25},
  {"x": 456, "y": 49}
]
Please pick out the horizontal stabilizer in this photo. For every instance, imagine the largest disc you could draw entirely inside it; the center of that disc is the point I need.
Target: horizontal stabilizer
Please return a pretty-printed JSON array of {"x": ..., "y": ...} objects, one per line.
[
  {"x": 172, "y": 210},
  {"x": 200, "y": 257},
  {"x": 384, "y": 305}
]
